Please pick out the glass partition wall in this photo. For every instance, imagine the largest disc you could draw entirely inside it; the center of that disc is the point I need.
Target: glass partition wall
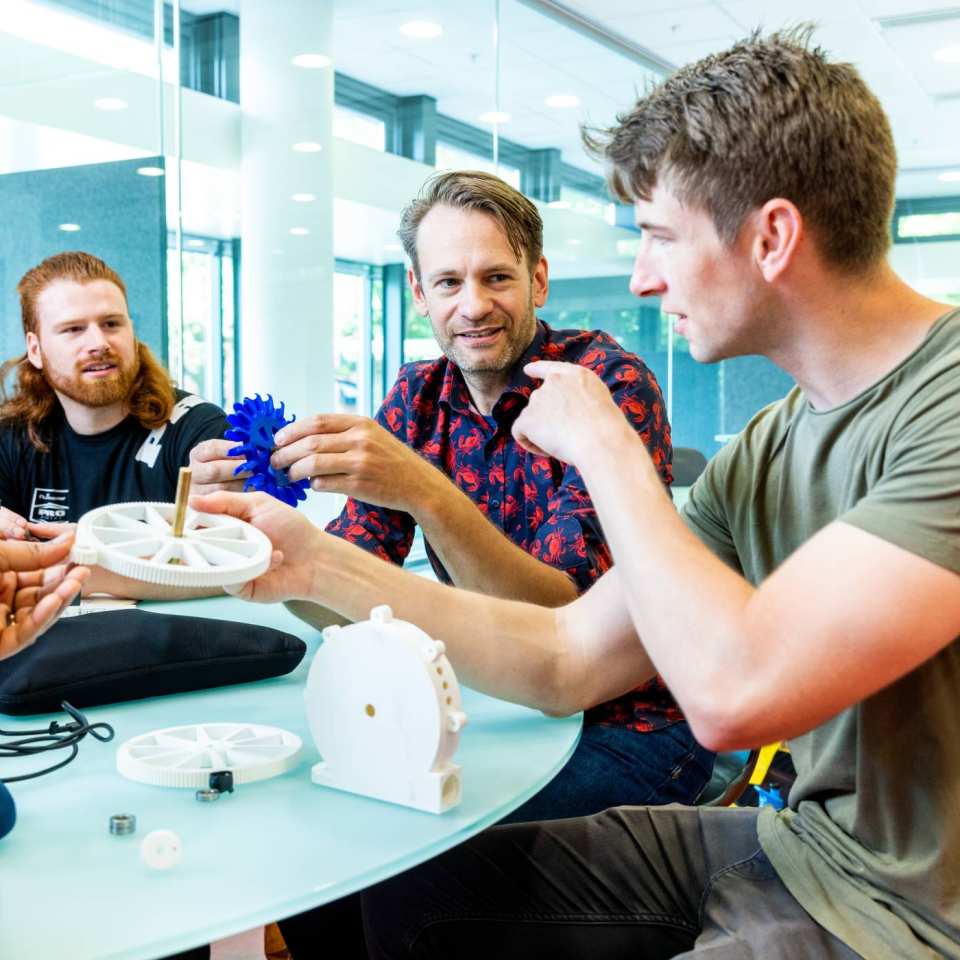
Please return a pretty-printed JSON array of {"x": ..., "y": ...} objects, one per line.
[
  {"x": 244, "y": 164},
  {"x": 85, "y": 109}
]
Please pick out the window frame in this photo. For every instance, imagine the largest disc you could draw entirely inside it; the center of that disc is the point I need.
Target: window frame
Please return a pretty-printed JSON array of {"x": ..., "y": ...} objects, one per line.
[{"x": 924, "y": 205}]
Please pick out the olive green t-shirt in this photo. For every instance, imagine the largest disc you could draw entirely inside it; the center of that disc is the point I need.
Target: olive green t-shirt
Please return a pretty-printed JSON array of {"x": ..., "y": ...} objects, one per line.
[{"x": 870, "y": 841}]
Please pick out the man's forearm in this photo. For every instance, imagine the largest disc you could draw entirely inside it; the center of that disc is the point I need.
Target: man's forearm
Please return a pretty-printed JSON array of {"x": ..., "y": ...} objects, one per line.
[
  {"x": 511, "y": 650},
  {"x": 103, "y": 581},
  {"x": 479, "y": 556},
  {"x": 688, "y": 606}
]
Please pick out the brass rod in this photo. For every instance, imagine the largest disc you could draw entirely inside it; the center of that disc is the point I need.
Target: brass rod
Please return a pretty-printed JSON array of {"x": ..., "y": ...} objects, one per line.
[{"x": 180, "y": 508}]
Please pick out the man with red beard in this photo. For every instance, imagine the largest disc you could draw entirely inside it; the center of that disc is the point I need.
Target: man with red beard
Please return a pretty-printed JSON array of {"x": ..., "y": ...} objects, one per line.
[{"x": 94, "y": 419}]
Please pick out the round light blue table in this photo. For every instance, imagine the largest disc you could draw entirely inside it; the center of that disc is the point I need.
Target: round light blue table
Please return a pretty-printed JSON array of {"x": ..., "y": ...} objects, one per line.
[{"x": 71, "y": 891}]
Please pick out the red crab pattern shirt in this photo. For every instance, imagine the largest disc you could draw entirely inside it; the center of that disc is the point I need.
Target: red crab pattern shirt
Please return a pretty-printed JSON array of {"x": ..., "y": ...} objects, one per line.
[{"x": 541, "y": 504}]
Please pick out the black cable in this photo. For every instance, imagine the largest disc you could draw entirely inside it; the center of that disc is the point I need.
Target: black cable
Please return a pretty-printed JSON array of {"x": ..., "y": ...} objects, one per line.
[{"x": 57, "y": 736}]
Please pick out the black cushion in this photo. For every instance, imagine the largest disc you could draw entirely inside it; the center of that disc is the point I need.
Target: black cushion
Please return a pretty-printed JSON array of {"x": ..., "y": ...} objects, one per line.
[{"x": 131, "y": 654}]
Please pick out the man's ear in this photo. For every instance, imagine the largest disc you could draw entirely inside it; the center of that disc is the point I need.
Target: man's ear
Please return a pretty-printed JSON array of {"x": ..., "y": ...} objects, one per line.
[
  {"x": 416, "y": 288},
  {"x": 778, "y": 229},
  {"x": 541, "y": 283},
  {"x": 34, "y": 355}
]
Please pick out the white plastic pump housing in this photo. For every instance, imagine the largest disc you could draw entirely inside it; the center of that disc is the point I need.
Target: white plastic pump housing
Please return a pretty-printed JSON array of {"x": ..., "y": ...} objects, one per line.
[{"x": 383, "y": 705}]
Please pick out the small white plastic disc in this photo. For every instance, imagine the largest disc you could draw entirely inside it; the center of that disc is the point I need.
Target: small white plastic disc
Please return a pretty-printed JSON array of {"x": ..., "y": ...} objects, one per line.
[
  {"x": 136, "y": 540},
  {"x": 186, "y": 756},
  {"x": 161, "y": 850}
]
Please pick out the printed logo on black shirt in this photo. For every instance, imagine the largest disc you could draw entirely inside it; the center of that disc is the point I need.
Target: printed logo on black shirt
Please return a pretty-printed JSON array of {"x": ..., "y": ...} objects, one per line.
[{"x": 49, "y": 506}]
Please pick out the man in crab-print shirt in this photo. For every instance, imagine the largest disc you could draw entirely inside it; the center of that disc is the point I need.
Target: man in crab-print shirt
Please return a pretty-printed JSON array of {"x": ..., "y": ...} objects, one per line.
[
  {"x": 540, "y": 504},
  {"x": 496, "y": 518}
]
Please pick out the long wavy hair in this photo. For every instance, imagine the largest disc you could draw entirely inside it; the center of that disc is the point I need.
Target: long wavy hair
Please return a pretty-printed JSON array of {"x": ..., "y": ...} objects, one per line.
[{"x": 151, "y": 398}]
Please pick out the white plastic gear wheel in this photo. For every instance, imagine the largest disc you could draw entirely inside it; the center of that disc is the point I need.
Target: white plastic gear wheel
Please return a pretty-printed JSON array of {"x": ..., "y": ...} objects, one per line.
[
  {"x": 136, "y": 540},
  {"x": 186, "y": 756}
]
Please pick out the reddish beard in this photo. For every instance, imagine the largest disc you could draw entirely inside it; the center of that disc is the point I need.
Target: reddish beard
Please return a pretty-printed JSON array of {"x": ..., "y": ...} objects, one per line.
[{"x": 96, "y": 393}]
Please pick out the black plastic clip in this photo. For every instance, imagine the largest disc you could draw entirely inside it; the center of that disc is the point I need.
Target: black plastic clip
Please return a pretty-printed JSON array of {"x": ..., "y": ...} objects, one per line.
[{"x": 222, "y": 780}]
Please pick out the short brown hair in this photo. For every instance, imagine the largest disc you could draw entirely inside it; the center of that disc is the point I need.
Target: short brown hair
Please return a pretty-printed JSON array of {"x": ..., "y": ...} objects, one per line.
[
  {"x": 770, "y": 117},
  {"x": 152, "y": 396},
  {"x": 476, "y": 190}
]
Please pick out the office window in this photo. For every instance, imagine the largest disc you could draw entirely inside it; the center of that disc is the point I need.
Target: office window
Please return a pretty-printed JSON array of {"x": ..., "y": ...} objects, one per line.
[
  {"x": 208, "y": 338},
  {"x": 359, "y": 128},
  {"x": 358, "y": 337},
  {"x": 588, "y": 204},
  {"x": 348, "y": 311},
  {"x": 228, "y": 327},
  {"x": 418, "y": 341},
  {"x": 450, "y": 157},
  {"x": 924, "y": 225},
  {"x": 377, "y": 341}
]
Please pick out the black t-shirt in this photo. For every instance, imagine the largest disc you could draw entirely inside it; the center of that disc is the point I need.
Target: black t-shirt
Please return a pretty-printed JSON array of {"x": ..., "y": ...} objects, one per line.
[{"x": 123, "y": 464}]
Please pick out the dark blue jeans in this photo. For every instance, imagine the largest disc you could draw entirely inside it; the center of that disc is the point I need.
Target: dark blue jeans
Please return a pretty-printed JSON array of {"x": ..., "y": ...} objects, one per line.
[
  {"x": 615, "y": 767},
  {"x": 612, "y": 766}
]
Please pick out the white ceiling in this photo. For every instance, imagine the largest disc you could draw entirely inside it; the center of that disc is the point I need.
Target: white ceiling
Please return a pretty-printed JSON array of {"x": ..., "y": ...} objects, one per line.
[
  {"x": 539, "y": 57},
  {"x": 52, "y": 65}
]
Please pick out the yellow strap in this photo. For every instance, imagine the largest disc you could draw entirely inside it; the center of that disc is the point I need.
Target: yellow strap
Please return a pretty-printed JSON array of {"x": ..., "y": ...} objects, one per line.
[{"x": 764, "y": 760}]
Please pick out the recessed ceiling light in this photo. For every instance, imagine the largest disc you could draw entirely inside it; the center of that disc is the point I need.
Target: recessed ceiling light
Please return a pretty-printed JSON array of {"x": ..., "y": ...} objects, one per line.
[
  {"x": 110, "y": 103},
  {"x": 150, "y": 171},
  {"x": 574, "y": 242},
  {"x": 949, "y": 54},
  {"x": 69, "y": 227},
  {"x": 949, "y": 176},
  {"x": 495, "y": 116},
  {"x": 421, "y": 30},
  {"x": 299, "y": 231},
  {"x": 308, "y": 146},
  {"x": 559, "y": 204},
  {"x": 312, "y": 61},
  {"x": 562, "y": 101},
  {"x": 393, "y": 247},
  {"x": 303, "y": 197},
  {"x": 195, "y": 242}
]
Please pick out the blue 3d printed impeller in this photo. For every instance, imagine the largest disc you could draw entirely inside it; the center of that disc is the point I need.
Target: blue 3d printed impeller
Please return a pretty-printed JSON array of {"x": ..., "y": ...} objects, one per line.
[{"x": 255, "y": 421}]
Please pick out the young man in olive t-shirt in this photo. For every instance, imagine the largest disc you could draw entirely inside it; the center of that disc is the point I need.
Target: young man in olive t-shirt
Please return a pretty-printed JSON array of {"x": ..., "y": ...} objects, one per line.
[{"x": 809, "y": 592}]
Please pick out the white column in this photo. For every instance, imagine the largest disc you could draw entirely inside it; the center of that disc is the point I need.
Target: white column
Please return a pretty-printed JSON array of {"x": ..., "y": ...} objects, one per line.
[{"x": 286, "y": 280}]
